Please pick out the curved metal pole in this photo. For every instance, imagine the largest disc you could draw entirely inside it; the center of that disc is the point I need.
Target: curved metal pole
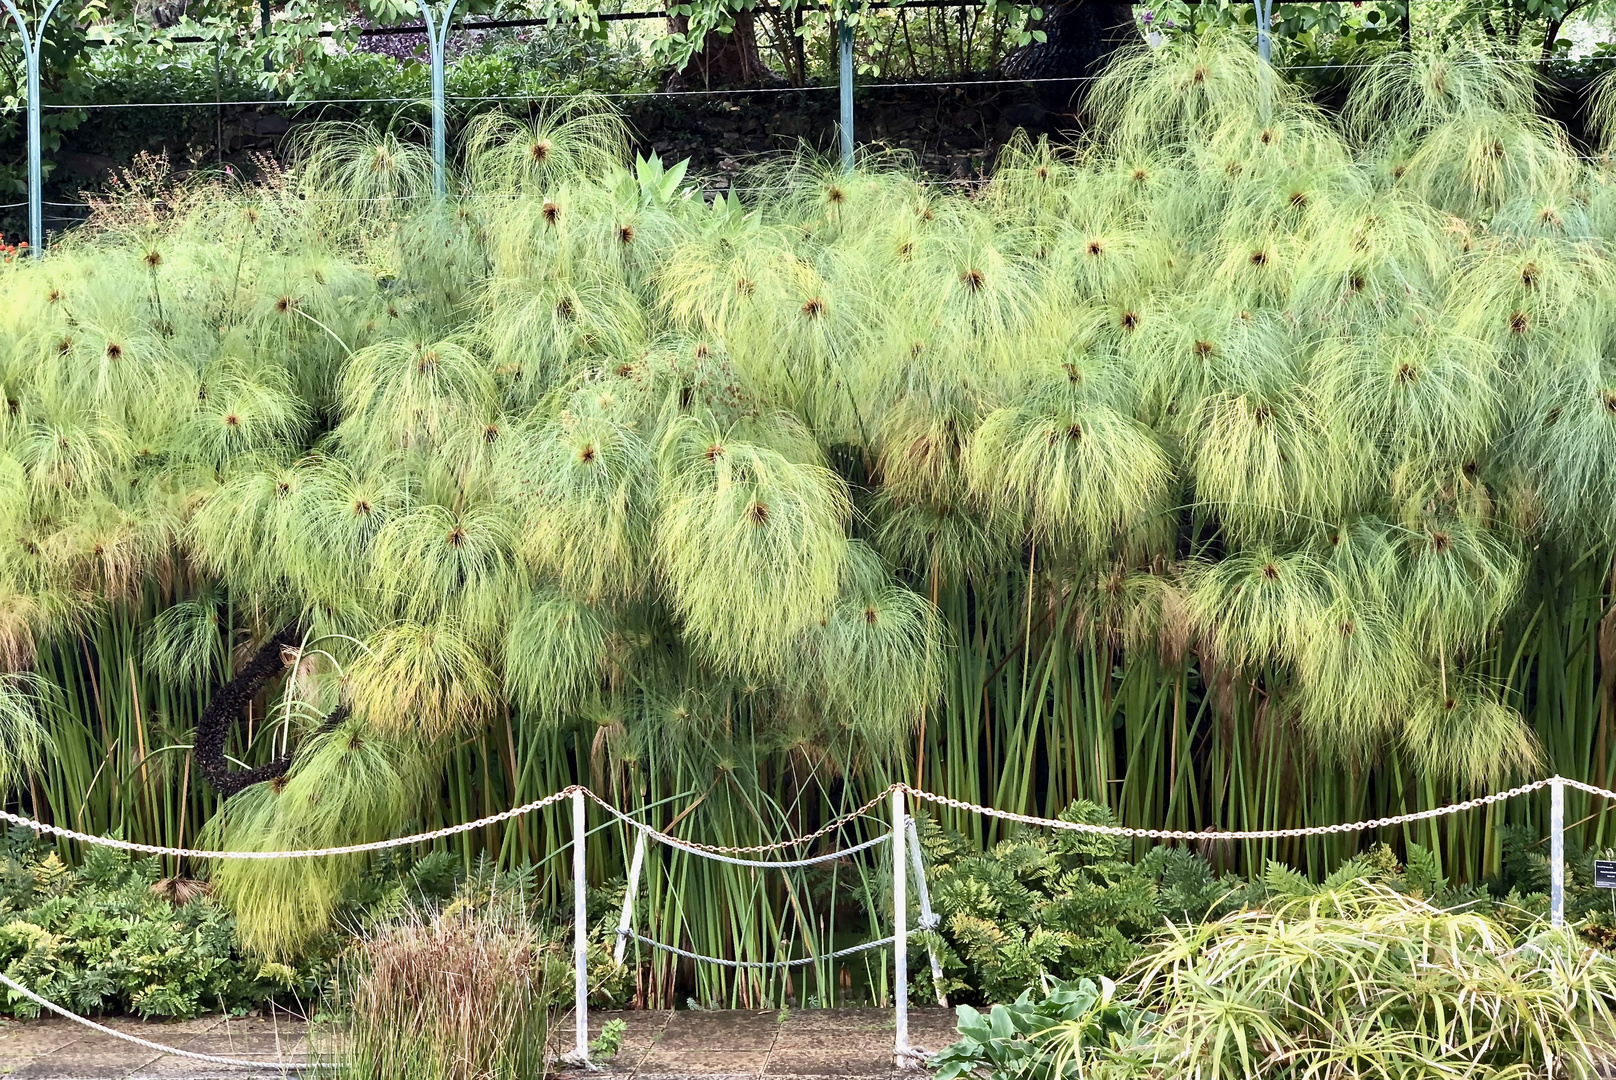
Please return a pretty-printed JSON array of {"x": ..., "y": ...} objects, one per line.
[
  {"x": 36, "y": 169},
  {"x": 436, "y": 33},
  {"x": 1265, "y": 18}
]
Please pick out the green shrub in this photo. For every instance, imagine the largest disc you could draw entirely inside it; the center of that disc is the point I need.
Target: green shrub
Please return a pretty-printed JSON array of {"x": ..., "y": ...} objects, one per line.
[
  {"x": 113, "y": 936},
  {"x": 1362, "y": 981},
  {"x": 1046, "y": 905}
]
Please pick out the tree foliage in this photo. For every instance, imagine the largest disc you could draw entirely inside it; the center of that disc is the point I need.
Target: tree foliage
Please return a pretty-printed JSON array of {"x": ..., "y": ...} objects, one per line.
[{"x": 1305, "y": 398}]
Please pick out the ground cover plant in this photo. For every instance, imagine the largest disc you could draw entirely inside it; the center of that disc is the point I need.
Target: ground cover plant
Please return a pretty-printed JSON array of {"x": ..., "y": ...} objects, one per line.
[
  {"x": 114, "y": 936},
  {"x": 1041, "y": 906},
  {"x": 1246, "y": 466},
  {"x": 1356, "y": 981}
]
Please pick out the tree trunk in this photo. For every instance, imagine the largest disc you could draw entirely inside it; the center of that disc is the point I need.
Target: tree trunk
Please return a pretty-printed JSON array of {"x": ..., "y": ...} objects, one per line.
[
  {"x": 1080, "y": 36},
  {"x": 723, "y": 60}
]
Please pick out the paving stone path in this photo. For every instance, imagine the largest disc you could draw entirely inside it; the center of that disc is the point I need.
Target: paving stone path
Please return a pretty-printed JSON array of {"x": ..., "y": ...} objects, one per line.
[{"x": 812, "y": 1044}]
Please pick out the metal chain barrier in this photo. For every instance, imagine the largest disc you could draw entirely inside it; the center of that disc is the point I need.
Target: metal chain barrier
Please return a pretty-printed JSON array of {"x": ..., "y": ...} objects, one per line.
[
  {"x": 797, "y": 841},
  {"x": 717, "y": 851},
  {"x": 307, "y": 853},
  {"x": 1588, "y": 788},
  {"x": 709, "y": 853},
  {"x": 906, "y": 1056},
  {"x": 17, "y": 987},
  {"x": 1247, "y": 834},
  {"x": 752, "y": 964}
]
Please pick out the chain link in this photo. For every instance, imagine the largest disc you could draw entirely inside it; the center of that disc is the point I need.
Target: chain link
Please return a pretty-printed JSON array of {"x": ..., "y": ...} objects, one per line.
[
  {"x": 306, "y": 853},
  {"x": 714, "y": 850},
  {"x": 768, "y": 964},
  {"x": 781, "y": 864},
  {"x": 1244, "y": 834},
  {"x": 1589, "y": 788},
  {"x": 695, "y": 848}
]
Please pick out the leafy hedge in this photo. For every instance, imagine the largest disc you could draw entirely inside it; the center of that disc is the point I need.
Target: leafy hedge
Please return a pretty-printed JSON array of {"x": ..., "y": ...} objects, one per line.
[
  {"x": 113, "y": 936},
  {"x": 1042, "y": 905}
]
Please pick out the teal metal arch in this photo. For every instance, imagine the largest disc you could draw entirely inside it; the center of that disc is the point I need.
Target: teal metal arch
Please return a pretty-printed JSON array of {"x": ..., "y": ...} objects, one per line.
[
  {"x": 31, "y": 41},
  {"x": 436, "y": 32}
]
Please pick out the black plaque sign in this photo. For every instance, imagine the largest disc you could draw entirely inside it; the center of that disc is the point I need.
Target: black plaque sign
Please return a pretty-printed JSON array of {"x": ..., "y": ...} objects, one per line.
[{"x": 1604, "y": 874}]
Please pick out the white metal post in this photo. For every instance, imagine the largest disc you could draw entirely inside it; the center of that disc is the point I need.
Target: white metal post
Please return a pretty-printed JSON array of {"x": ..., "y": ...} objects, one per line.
[
  {"x": 580, "y": 930},
  {"x": 928, "y": 919},
  {"x": 1557, "y": 852},
  {"x": 633, "y": 889},
  {"x": 900, "y": 935}
]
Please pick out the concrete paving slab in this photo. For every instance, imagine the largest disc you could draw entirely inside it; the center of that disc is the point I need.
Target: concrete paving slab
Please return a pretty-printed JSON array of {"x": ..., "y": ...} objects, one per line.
[
  {"x": 717, "y": 1064},
  {"x": 32, "y": 1038},
  {"x": 797, "y": 1044},
  {"x": 719, "y": 1031}
]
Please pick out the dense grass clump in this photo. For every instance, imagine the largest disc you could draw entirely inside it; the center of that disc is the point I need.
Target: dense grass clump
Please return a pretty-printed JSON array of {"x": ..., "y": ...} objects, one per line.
[
  {"x": 460, "y": 995},
  {"x": 1247, "y": 465}
]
